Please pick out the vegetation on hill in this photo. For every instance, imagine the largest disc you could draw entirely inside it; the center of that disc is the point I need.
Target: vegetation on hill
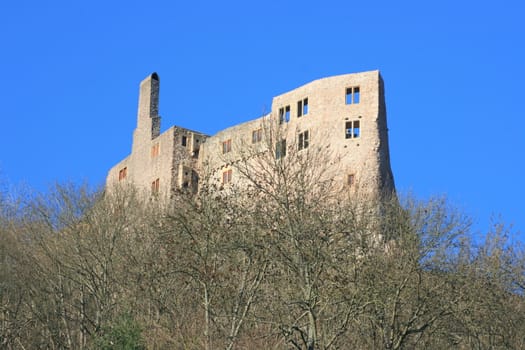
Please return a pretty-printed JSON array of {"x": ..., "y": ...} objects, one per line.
[{"x": 285, "y": 263}]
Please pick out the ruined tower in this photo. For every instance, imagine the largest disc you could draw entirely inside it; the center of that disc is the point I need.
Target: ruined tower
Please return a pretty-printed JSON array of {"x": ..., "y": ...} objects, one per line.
[{"x": 148, "y": 120}]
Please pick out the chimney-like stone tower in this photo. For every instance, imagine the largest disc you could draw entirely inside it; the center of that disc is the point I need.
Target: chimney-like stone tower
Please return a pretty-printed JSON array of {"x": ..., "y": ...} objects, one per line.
[{"x": 148, "y": 120}]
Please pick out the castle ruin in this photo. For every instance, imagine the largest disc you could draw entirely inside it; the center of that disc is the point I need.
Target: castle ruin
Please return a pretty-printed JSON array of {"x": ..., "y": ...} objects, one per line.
[{"x": 345, "y": 114}]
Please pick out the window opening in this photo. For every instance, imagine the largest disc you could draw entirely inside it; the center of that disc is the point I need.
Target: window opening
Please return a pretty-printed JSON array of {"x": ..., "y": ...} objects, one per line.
[
  {"x": 357, "y": 129},
  {"x": 184, "y": 141},
  {"x": 227, "y": 177},
  {"x": 303, "y": 140},
  {"x": 356, "y": 94},
  {"x": 122, "y": 173},
  {"x": 155, "y": 187},
  {"x": 350, "y": 180},
  {"x": 154, "y": 150},
  {"x": 280, "y": 149},
  {"x": 353, "y": 95},
  {"x": 227, "y": 146},
  {"x": 256, "y": 135},
  {"x": 284, "y": 114},
  {"x": 352, "y": 129},
  {"x": 305, "y": 106},
  {"x": 302, "y": 107}
]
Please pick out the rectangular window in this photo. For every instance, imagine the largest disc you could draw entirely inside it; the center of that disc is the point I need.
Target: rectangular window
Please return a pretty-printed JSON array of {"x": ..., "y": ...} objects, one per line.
[
  {"x": 352, "y": 129},
  {"x": 353, "y": 95},
  {"x": 350, "y": 180},
  {"x": 184, "y": 141},
  {"x": 303, "y": 140},
  {"x": 154, "y": 150},
  {"x": 122, "y": 173},
  {"x": 305, "y": 106},
  {"x": 284, "y": 114},
  {"x": 227, "y": 146},
  {"x": 302, "y": 107},
  {"x": 226, "y": 177},
  {"x": 155, "y": 187},
  {"x": 280, "y": 149},
  {"x": 357, "y": 129},
  {"x": 256, "y": 135}
]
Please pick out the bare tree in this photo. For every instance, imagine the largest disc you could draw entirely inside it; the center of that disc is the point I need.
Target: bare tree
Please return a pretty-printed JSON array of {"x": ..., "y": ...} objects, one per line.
[
  {"x": 313, "y": 234},
  {"x": 286, "y": 258}
]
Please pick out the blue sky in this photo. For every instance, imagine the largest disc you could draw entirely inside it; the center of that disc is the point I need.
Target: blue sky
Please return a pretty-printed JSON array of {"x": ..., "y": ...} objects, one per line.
[{"x": 453, "y": 70}]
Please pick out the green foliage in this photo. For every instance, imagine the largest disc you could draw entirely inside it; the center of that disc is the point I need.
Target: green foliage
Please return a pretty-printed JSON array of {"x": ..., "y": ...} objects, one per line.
[{"x": 124, "y": 334}]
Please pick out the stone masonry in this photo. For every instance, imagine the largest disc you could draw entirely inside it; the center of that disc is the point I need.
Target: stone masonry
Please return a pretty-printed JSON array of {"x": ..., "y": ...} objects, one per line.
[{"x": 345, "y": 114}]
